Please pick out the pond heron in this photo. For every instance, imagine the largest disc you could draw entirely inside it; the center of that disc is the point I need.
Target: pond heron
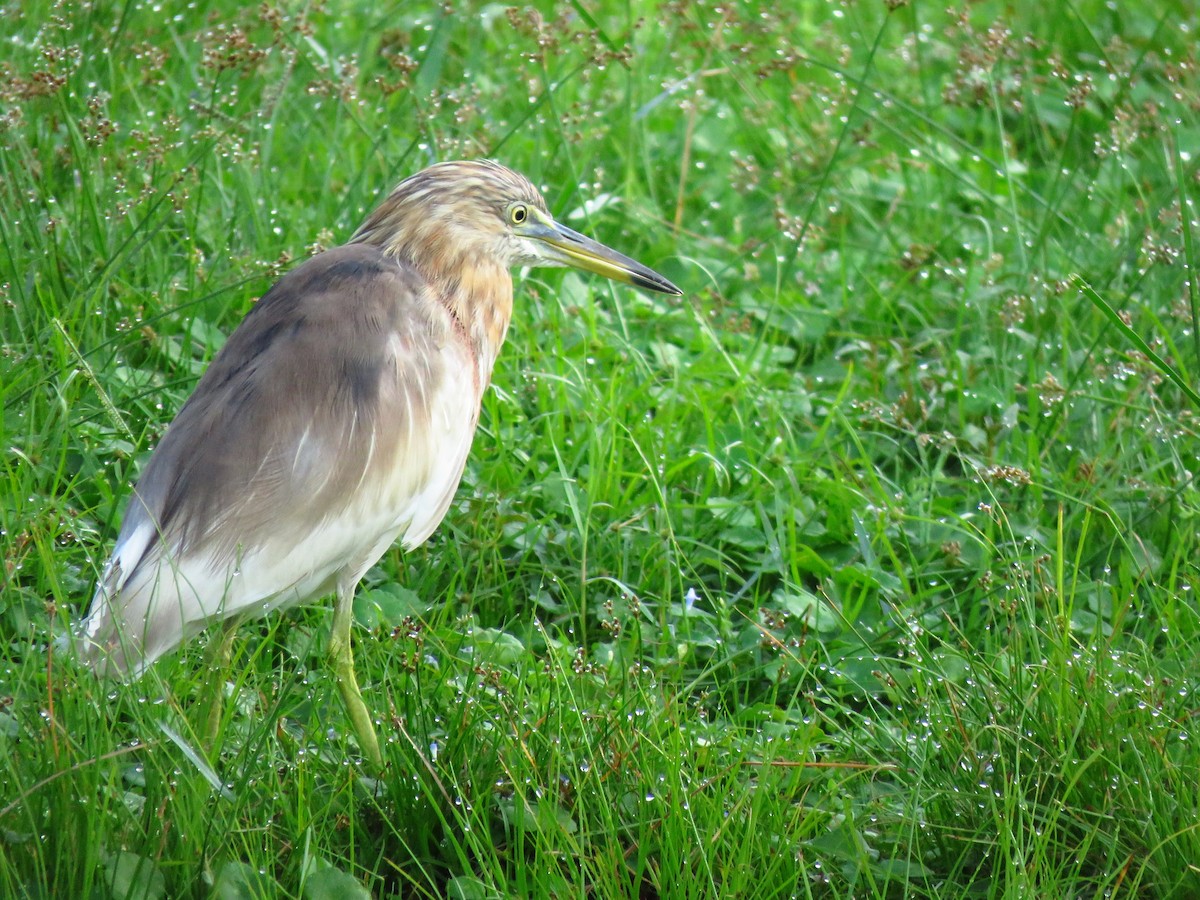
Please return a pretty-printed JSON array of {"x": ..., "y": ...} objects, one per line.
[{"x": 335, "y": 421}]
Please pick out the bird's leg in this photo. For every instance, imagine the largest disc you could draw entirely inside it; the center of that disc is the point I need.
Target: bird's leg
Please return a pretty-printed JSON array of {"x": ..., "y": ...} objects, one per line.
[
  {"x": 220, "y": 650},
  {"x": 341, "y": 660}
]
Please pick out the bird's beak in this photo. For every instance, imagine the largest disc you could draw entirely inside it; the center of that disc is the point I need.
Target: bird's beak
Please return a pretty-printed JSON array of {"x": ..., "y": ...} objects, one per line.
[{"x": 570, "y": 248}]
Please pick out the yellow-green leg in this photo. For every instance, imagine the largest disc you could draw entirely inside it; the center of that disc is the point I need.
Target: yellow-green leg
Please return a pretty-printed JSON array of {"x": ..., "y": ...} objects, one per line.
[
  {"x": 341, "y": 660},
  {"x": 220, "y": 651}
]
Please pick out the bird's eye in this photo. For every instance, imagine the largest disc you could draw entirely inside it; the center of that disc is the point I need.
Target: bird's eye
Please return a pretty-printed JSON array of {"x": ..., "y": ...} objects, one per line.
[{"x": 518, "y": 214}]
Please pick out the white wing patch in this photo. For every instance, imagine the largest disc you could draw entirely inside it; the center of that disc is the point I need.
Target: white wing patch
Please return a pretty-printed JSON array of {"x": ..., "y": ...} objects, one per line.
[{"x": 156, "y": 601}]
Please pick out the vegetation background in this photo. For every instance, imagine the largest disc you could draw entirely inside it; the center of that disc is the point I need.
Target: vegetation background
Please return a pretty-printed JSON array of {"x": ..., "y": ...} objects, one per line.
[{"x": 866, "y": 569}]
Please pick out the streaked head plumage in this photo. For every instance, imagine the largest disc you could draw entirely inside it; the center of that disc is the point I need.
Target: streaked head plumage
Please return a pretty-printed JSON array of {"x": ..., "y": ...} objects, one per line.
[
  {"x": 463, "y": 206},
  {"x": 454, "y": 216}
]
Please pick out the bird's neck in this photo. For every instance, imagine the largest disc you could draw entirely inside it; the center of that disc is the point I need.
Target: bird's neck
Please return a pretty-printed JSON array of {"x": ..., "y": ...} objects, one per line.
[{"x": 479, "y": 294}]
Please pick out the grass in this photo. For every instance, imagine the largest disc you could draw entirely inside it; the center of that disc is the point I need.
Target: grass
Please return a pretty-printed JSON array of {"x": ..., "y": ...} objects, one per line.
[{"x": 866, "y": 569}]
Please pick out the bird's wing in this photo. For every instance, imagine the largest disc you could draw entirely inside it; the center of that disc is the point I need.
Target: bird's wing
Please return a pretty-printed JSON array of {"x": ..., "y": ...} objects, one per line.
[{"x": 337, "y": 417}]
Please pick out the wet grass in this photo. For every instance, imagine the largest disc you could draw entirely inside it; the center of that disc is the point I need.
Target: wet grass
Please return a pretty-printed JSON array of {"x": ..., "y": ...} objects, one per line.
[{"x": 867, "y": 568}]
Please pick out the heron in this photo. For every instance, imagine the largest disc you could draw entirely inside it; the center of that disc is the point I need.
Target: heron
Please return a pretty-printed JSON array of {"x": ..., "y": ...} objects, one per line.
[{"x": 335, "y": 421}]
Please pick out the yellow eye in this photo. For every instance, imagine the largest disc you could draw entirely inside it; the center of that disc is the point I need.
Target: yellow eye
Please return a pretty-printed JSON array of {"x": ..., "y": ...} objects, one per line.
[{"x": 518, "y": 214}]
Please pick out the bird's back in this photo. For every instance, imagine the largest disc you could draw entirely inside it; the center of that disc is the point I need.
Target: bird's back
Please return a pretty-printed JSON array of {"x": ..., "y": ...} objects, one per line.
[{"x": 337, "y": 417}]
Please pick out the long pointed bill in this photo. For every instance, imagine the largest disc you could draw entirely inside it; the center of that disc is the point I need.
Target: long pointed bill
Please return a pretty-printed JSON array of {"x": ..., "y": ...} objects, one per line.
[{"x": 570, "y": 248}]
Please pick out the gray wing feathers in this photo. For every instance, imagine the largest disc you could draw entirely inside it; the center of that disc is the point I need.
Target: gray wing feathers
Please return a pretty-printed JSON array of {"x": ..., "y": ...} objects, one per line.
[{"x": 317, "y": 411}]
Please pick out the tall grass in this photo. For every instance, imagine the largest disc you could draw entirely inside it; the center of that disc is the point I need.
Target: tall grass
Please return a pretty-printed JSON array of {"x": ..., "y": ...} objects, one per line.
[{"x": 867, "y": 568}]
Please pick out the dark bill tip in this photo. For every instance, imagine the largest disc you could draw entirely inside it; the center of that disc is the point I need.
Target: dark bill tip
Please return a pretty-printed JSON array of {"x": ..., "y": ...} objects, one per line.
[{"x": 652, "y": 281}]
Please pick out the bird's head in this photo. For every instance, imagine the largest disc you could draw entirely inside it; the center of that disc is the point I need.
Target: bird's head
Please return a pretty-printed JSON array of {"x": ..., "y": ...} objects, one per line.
[{"x": 456, "y": 213}]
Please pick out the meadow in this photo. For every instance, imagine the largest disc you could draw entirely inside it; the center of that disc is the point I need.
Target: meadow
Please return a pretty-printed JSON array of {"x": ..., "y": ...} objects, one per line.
[{"x": 867, "y": 568}]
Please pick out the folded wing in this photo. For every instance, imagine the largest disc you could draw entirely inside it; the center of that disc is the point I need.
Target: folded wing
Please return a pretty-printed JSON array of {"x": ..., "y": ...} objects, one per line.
[{"x": 336, "y": 419}]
